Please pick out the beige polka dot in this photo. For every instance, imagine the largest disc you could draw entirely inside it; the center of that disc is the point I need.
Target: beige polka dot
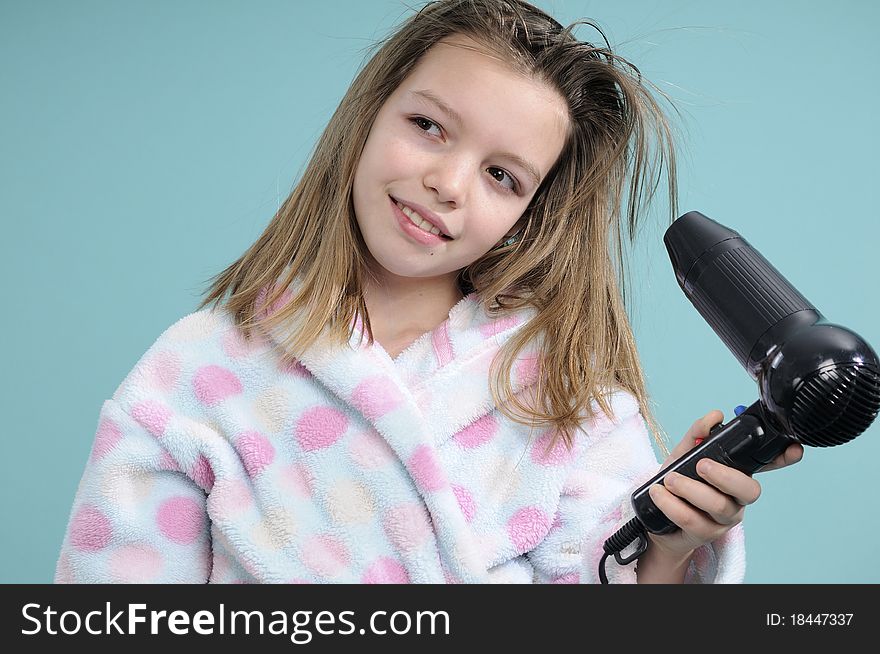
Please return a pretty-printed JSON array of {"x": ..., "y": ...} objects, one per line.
[
  {"x": 272, "y": 409},
  {"x": 265, "y": 538},
  {"x": 350, "y": 502},
  {"x": 282, "y": 525},
  {"x": 128, "y": 490},
  {"x": 193, "y": 327},
  {"x": 370, "y": 450}
]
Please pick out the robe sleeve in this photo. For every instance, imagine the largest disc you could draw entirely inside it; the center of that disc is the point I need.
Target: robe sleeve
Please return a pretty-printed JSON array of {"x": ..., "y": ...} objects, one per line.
[
  {"x": 135, "y": 518},
  {"x": 610, "y": 460}
]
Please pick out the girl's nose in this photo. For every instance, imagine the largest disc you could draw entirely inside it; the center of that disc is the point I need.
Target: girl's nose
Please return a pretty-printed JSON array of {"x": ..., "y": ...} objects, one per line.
[{"x": 449, "y": 178}]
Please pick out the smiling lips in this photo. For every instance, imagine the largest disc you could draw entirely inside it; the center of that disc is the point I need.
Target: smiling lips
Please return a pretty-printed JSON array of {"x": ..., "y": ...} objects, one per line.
[
  {"x": 423, "y": 218},
  {"x": 416, "y": 227}
]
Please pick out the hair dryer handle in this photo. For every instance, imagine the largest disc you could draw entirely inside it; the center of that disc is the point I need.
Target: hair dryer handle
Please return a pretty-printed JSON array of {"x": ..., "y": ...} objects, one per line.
[{"x": 746, "y": 443}]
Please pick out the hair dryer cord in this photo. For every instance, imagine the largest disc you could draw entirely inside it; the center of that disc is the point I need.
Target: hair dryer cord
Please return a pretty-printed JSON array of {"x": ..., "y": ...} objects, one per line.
[{"x": 617, "y": 542}]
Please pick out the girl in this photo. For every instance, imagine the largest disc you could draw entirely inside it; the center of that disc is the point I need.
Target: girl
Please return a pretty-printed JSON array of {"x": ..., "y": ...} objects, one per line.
[{"x": 424, "y": 370}]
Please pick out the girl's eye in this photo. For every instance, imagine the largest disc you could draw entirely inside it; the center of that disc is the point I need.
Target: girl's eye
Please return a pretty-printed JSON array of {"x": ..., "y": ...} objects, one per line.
[
  {"x": 514, "y": 186},
  {"x": 419, "y": 121}
]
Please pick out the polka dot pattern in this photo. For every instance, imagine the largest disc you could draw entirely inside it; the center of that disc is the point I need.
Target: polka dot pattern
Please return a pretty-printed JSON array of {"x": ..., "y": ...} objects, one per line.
[
  {"x": 478, "y": 432},
  {"x": 426, "y": 470},
  {"x": 376, "y": 396},
  {"x": 213, "y": 384},
  {"x": 527, "y": 528},
  {"x": 385, "y": 570},
  {"x": 272, "y": 409},
  {"x": 557, "y": 455},
  {"x": 320, "y": 427},
  {"x": 152, "y": 416},
  {"x": 350, "y": 502},
  {"x": 106, "y": 438},
  {"x": 465, "y": 501},
  {"x": 135, "y": 564},
  {"x": 180, "y": 519},
  {"x": 256, "y": 452},
  {"x": 325, "y": 556},
  {"x": 90, "y": 529},
  {"x": 407, "y": 526},
  {"x": 370, "y": 451},
  {"x": 203, "y": 474},
  {"x": 163, "y": 370},
  {"x": 343, "y": 477}
]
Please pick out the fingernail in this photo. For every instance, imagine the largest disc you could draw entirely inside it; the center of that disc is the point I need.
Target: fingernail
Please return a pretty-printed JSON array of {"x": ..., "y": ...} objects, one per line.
[{"x": 705, "y": 465}]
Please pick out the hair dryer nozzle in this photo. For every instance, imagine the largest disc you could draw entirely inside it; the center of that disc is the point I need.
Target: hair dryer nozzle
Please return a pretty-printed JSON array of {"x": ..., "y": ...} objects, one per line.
[{"x": 689, "y": 238}]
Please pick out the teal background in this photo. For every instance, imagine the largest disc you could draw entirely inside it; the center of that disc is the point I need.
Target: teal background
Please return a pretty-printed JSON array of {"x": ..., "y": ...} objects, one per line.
[{"x": 145, "y": 145}]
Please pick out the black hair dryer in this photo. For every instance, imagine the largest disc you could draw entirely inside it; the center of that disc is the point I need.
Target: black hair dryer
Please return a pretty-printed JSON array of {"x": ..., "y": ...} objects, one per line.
[{"x": 819, "y": 383}]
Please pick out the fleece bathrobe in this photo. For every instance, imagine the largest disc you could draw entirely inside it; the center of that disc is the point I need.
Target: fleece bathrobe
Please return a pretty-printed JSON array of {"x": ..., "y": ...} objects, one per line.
[{"x": 213, "y": 463}]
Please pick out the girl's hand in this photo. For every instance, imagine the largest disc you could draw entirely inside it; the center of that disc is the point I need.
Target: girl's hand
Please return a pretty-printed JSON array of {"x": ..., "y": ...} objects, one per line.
[{"x": 706, "y": 510}]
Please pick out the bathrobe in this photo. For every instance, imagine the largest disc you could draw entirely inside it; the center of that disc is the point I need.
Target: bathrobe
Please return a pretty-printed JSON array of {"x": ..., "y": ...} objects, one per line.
[{"x": 214, "y": 463}]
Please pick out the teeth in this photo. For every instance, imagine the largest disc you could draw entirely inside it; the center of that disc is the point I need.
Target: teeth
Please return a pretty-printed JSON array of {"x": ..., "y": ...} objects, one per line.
[{"x": 418, "y": 221}]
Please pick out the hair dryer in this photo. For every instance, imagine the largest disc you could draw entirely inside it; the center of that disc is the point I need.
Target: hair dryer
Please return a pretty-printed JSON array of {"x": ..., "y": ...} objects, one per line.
[{"x": 819, "y": 383}]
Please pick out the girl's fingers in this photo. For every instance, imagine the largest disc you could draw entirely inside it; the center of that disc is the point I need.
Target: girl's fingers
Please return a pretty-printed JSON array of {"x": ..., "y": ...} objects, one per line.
[
  {"x": 730, "y": 481},
  {"x": 793, "y": 454},
  {"x": 698, "y": 528},
  {"x": 698, "y": 430},
  {"x": 722, "y": 508}
]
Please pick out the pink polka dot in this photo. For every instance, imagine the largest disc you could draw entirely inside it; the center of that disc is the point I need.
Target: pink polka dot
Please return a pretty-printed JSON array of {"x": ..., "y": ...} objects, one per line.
[
  {"x": 527, "y": 370},
  {"x": 320, "y": 427},
  {"x": 407, "y": 526},
  {"x": 231, "y": 497},
  {"x": 297, "y": 479},
  {"x": 369, "y": 450},
  {"x": 163, "y": 370},
  {"x": 280, "y": 302},
  {"x": 213, "y": 384},
  {"x": 376, "y": 396},
  {"x": 167, "y": 462},
  {"x": 236, "y": 346},
  {"x": 135, "y": 564},
  {"x": 203, "y": 474},
  {"x": 498, "y": 326},
  {"x": 557, "y": 455},
  {"x": 465, "y": 501},
  {"x": 90, "y": 530},
  {"x": 385, "y": 570},
  {"x": 181, "y": 520},
  {"x": 325, "y": 556},
  {"x": 442, "y": 344},
  {"x": 256, "y": 452},
  {"x": 478, "y": 432},
  {"x": 106, "y": 438},
  {"x": 152, "y": 416},
  {"x": 527, "y": 528},
  {"x": 426, "y": 470}
]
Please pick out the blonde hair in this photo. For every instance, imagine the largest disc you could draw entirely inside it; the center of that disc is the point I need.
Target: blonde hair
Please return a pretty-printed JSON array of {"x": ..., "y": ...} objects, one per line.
[{"x": 587, "y": 344}]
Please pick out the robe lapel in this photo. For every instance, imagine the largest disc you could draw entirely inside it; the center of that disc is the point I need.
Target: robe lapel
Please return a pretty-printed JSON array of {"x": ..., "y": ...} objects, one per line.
[{"x": 415, "y": 421}]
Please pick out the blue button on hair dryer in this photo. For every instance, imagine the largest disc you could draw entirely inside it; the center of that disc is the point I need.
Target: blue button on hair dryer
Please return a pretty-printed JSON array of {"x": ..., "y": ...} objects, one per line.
[{"x": 819, "y": 383}]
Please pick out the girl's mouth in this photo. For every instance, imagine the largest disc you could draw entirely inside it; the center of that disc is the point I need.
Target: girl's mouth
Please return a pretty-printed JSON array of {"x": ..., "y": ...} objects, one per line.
[{"x": 415, "y": 227}]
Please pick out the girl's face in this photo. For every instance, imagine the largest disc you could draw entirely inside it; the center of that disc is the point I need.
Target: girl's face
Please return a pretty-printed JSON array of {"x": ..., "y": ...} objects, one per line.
[{"x": 473, "y": 176}]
